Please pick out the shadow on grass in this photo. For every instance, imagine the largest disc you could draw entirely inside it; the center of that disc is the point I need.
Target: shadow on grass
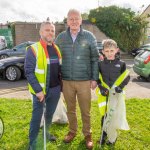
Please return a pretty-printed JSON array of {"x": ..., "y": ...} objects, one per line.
[
  {"x": 64, "y": 146},
  {"x": 81, "y": 145}
]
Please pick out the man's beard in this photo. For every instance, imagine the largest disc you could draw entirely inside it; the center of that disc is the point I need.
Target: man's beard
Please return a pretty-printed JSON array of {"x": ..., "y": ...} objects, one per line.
[{"x": 49, "y": 41}]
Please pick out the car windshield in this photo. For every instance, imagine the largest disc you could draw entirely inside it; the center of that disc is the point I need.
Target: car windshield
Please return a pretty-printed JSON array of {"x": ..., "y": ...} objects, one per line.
[
  {"x": 19, "y": 46},
  {"x": 144, "y": 54}
]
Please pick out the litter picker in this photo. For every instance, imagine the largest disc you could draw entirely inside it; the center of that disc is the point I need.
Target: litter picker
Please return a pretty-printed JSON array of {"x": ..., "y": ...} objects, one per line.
[
  {"x": 44, "y": 123},
  {"x": 104, "y": 121}
]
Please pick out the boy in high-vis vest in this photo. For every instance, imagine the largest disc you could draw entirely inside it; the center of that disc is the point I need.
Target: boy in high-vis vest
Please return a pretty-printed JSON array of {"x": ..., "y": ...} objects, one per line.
[{"x": 113, "y": 77}]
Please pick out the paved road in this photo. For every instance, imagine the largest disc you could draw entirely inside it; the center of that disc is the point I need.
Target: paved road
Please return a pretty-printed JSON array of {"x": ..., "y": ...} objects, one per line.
[{"x": 136, "y": 87}]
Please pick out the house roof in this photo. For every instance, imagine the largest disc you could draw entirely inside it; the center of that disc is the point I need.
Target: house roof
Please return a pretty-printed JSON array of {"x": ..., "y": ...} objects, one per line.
[{"x": 148, "y": 7}]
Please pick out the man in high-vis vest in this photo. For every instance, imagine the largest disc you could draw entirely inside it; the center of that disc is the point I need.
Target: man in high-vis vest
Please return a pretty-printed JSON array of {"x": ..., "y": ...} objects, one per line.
[
  {"x": 42, "y": 70},
  {"x": 113, "y": 77}
]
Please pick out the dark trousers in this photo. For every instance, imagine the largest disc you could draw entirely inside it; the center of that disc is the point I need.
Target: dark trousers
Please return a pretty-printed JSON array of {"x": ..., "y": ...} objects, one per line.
[{"x": 51, "y": 100}]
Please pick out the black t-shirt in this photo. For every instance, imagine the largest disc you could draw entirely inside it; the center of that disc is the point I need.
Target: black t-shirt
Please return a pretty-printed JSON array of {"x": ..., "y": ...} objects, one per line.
[{"x": 54, "y": 67}]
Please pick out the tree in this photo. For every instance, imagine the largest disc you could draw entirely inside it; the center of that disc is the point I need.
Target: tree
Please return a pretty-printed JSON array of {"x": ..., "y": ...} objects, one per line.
[
  {"x": 84, "y": 16},
  {"x": 120, "y": 24}
]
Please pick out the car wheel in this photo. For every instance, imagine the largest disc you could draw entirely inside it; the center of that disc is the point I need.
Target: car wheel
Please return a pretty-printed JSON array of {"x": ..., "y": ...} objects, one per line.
[
  {"x": 13, "y": 73},
  {"x": 3, "y": 56}
]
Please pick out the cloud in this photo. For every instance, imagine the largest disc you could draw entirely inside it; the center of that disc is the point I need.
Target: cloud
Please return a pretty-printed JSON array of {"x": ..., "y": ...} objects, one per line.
[{"x": 56, "y": 10}]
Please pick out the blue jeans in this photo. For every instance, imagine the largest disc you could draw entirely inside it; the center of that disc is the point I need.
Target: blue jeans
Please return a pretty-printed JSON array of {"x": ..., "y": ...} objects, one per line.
[{"x": 51, "y": 100}]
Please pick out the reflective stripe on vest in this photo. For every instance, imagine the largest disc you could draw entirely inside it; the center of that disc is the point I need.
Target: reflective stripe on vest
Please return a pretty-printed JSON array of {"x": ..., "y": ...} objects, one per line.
[
  {"x": 58, "y": 53},
  {"x": 42, "y": 60},
  {"x": 101, "y": 98},
  {"x": 121, "y": 78}
]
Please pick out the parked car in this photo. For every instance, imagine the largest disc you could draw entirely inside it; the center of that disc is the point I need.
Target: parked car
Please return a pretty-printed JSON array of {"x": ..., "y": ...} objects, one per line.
[
  {"x": 142, "y": 64},
  {"x": 18, "y": 50},
  {"x": 100, "y": 46},
  {"x": 136, "y": 51},
  {"x": 12, "y": 68}
]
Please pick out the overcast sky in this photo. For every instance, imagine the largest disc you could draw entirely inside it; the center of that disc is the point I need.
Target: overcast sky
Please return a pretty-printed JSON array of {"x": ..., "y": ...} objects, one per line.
[{"x": 56, "y": 10}]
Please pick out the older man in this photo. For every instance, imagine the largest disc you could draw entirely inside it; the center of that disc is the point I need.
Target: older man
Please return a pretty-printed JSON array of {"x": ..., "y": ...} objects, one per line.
[{"x": 79, "y": 73}]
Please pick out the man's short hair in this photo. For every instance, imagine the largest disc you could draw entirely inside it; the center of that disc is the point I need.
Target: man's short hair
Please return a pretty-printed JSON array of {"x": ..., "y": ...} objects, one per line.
[
  {"x": 108, "y": 43},
  {"x": 46, "y": 23},
  {"x": 73, "y": 11}
]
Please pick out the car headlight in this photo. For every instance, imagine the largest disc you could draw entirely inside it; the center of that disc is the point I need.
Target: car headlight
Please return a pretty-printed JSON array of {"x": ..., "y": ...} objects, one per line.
[{"x": 1, "y": 64}]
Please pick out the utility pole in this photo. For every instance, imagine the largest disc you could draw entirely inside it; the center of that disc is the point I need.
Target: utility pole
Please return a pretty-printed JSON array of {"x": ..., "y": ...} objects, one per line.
[
  {"x": 98, "y": 3},
  {"x": 48, "y": 19}
]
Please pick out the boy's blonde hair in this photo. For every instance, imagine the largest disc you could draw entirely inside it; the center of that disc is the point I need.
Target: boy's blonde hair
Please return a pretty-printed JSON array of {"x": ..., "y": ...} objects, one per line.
[{"x": 108, "y": 43}]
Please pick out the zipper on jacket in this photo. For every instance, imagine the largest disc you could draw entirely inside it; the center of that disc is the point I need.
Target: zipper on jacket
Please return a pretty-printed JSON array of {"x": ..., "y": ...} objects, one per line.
[{"x": 72, "y": 61}]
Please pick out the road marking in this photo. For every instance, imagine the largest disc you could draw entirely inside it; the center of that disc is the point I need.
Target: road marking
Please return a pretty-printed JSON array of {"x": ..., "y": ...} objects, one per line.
[{"x": 11, "y": 90}]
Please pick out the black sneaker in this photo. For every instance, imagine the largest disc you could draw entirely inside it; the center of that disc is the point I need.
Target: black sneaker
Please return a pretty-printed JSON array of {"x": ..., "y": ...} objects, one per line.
[
  {"x": 103, "y": 139},
  {"x": 51, "y": 137},
  {"x": 32, "y": 147},
  {"x": 102, "y": 143}
]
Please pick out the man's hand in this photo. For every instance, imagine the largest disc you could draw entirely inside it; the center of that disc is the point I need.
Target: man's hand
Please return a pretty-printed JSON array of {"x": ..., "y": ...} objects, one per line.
[
  {"x": 93, "y": 85},
  {"x": 40, "y": 96}
]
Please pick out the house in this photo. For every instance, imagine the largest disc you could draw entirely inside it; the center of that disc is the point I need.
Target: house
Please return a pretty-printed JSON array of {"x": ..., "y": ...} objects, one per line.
[
  {"x": 146, "y": 13},
  {"x": 29, "y": 31}
]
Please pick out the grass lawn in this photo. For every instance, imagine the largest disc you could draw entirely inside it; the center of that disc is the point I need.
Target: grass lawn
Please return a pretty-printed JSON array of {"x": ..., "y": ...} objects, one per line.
[{"x": 16, "y": 115}]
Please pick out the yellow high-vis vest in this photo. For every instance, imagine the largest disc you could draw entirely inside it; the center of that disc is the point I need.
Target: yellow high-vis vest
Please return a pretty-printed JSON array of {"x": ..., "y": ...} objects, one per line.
[
  {"x": 102, "y": 99},
  {"x": 42, "y": 60}
]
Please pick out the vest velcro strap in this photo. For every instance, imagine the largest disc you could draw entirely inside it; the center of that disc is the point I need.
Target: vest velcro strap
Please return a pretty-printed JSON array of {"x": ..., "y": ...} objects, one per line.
[
  {"x": 114, "y": 86},
  {"x": 102, "y": 104},
  {"x": 42, "y": 85},
  {"x": 48, "y": 62},
  {"x": 40, "y": 71}
]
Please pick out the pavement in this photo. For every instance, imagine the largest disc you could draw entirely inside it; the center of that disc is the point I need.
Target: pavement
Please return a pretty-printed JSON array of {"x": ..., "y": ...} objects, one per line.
[{"x": 137, "y": 87}]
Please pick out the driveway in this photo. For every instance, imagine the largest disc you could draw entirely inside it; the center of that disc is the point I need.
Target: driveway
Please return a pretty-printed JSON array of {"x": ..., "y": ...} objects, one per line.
[{"x": 137, "y": 87}]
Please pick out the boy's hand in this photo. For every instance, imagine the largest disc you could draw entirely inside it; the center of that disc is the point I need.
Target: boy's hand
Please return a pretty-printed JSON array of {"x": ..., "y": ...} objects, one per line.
[
  {"x": 118, "y": 89},
  {"x": 104, "y": 91}
]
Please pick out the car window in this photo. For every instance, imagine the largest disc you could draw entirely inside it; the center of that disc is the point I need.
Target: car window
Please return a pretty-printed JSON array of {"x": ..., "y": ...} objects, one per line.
[
  {"x": 19, "y": 46},
  {"x": 144, "y": 54},
  {"x": 99, "y": 45},
  {"x": 22, "y": 47}
]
